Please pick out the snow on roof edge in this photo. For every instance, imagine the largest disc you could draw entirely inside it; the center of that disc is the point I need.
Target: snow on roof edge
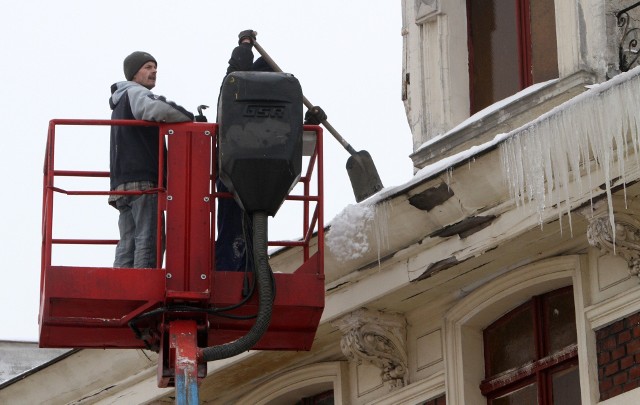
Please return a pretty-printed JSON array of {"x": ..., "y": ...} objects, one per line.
[{"x": 446, "y": 163}]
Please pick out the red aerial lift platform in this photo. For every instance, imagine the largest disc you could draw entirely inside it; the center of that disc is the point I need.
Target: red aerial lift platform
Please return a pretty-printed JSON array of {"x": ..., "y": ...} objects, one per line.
[{"x": 188, "y": 304}]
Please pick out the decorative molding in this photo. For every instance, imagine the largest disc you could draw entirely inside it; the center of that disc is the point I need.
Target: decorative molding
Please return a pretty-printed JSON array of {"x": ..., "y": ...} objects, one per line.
[
  {"x": 379, "y": 339},
  {"x": 432, "y": 343},
  {"x": 308, "y": 379},
  {"x": 625, "y": 242},
  {"x": 613, "y": 309},
  {"x": 426, "y": 10},
  {"x": 415, "y": 393}
]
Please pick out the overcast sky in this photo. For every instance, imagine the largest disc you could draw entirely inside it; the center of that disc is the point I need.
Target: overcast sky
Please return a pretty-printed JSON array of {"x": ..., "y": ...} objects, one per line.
[{"x": 59, "y": 59}]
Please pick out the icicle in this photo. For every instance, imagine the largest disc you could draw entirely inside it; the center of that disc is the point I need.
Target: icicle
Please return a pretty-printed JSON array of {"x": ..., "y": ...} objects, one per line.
[
  {"x": 541, "y": 160},
  {"x": 381, "y": 227},
  {"x": 449, "y": 178}
]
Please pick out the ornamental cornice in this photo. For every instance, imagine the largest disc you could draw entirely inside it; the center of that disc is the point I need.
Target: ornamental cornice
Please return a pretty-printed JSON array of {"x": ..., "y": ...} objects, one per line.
[
  {"x": 377, "y": 338},
  {"x": 622, "y": 238}
]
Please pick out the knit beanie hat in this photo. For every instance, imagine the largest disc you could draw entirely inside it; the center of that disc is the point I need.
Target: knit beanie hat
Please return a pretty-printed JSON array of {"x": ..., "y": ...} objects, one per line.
[{"x": 134, "y": 62}]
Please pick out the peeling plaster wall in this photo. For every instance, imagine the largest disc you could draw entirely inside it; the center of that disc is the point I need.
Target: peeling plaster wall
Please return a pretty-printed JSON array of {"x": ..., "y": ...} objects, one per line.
[{"x": 435, "y": 64}]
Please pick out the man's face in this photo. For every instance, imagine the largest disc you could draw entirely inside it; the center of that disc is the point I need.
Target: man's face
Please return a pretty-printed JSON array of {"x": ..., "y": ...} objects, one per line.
[{"x": 146, "y": 76}]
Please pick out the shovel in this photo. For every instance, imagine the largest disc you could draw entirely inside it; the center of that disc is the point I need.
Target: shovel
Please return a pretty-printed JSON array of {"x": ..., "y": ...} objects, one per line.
[{"x": 364, "y": 177}]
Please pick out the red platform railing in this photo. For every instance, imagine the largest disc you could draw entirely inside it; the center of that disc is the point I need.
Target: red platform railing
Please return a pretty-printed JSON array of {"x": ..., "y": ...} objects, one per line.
[{"x": 91, "y": 307}]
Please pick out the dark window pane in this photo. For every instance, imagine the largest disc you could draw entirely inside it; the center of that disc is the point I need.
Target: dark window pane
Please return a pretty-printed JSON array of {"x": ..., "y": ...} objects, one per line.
[
  {"x": 544, "y": 52},
  {"x": 513, "y": 342},
  {"x": 566, "y": 387},
  {"x": 524, "y": 396},
  {"x": 510, "y": 342},
  {"x": 561, "y": 318},
  {"x": 324, "y": 398},
  {"x": 494, "y": 53},
  {"x": 512, "y": 45}
]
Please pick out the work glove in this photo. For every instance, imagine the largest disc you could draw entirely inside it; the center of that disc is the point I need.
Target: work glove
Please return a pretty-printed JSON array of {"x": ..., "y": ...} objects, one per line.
[
  {"x": 250, "y": 34},
  {"x": 314, "y": 116},
  {"x": 200, "y": 117}
]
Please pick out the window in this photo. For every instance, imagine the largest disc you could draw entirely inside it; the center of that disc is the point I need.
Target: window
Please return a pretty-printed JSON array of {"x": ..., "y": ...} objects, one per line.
[
  {"x": 315, "y": 384},
  {"x": 512, "y": 45},
  {"x": 531, "y": 353},
  {"x": 325, "y": 398}
]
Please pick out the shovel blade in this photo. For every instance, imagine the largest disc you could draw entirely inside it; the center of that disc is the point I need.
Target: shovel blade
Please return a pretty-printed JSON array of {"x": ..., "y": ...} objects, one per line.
[{"x": 363, "y": 174}]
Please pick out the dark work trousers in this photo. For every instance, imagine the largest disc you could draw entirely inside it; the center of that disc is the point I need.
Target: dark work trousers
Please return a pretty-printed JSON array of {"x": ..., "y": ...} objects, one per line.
[{"x": 233, "y": 244}]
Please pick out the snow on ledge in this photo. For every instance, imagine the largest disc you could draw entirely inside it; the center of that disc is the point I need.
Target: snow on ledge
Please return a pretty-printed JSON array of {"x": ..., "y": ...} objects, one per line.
[
  {"x": 537, "y": 158},
  {"x": 488, "y": 111}
]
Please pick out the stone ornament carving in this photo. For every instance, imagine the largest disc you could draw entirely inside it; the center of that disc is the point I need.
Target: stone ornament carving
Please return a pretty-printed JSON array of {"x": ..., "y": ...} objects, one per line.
[
  {"x": 627, "y": 239},
  {"x": 426, "y": 10},
  {"x": 377, "y": 338}
]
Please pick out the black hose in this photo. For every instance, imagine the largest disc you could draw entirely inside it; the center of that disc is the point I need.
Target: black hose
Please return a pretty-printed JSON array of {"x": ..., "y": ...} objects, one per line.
[{"x": 265, "y": 297}]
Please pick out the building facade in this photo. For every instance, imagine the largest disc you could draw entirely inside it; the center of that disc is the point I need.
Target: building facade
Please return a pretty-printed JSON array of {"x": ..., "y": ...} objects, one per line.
[{"x": 504, "y": 272}]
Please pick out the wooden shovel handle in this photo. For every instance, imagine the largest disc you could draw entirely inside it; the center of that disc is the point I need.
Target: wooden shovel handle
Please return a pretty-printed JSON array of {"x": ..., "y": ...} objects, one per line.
[{"x": 306, "y": 102}]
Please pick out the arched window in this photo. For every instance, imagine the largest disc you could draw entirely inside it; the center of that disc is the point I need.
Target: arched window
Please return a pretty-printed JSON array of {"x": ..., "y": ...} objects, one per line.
[
  {"x": 544, "y": 288},
  {"x": 316, "y": 384},
  {"x": 531, "y": 353},
  {"x": 512, "y": 45},
  {"x": 323, "y": 398}
]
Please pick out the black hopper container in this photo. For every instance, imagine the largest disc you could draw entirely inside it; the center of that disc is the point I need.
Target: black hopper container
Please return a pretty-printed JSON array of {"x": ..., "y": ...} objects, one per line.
[{"x": 260, "y": 138}]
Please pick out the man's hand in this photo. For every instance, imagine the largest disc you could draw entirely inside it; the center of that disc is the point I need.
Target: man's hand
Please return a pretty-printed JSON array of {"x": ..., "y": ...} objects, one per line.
[
  {"x": 200, "y": 117},
  {"x": 314, "y": 116},
  {"x": 247, "y": 37}
]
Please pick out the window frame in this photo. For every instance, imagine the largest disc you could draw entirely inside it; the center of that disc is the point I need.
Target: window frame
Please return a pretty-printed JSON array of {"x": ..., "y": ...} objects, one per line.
[
  {"x": 542, "y": 369},
  {"x": 524, "y": 47},
  {"x": 302, "y": 382},
  {"x": 464, "y": 322}
]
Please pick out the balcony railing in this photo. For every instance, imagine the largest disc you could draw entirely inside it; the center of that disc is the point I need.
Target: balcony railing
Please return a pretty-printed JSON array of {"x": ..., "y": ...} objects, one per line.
[{"x": 628, "y": 48}]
